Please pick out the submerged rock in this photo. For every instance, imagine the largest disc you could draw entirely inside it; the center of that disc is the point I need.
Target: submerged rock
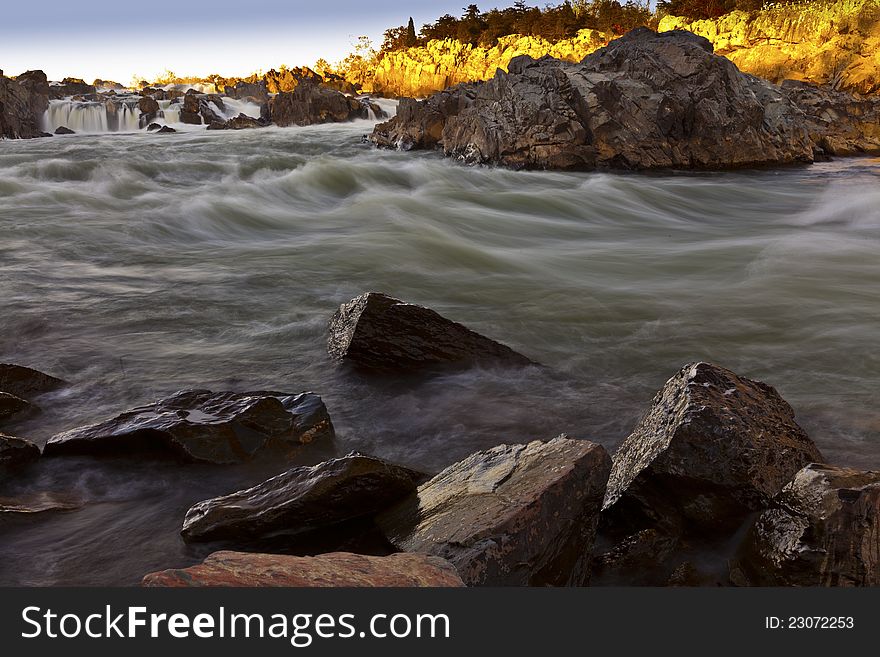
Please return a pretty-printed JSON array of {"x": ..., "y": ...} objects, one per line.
[
  {"x": 713, "y": 447},
  {"x": 822, "y": 530},
  {"x": 512, "y": 515},
  {"x": 10, "y": 406},
  {"x": 339, "y": 569},
  {"x": 200, "y": 425},
  {"x": 16, "y": 451},
  {"x": 164, "y": 130},
  {"x": 378, "y": 332},
  {"x": 64, "y": 130},
  {"x": 303, "y": 498},
  {"x": 33, "y": 504},
  {"x": 311, "y": 103},
  {"x": 644, "y": 101},
  {"x": 26, "y": 382},
  {"x": 240, "y": 122}
]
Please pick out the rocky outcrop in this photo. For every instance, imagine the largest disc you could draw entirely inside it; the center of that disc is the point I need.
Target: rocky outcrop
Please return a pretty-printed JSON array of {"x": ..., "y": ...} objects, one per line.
[
  {"x": 242, "y": 89},
  {"x": 240, "y": 122},
  {"x": 70, "y": 87},
  {"x": 149, "y": 109},
  {"x": 110, "y": 85},
  {"x": 189, "y": 112},
  {"x": 23, "y": 101},
  {"x": 338, "y": 569},
  {"x": 713, "y": 447},
  {"x": 839, "y": 123},
  {"x": 353, "y": 486},
  {"x": 25, "y": 381},
  {"x": 511, "y": 515},
  {"x": 16, "y": 451},
  {"x": 378, "y": 332},
  {"x": 823, "y": 529},
  {"x": 199, "y": 425},
  {"x": 440, "y": 64},
  {"x": 825, "y": 43},
  {"x": 645, "y": 101},
  {"x": 310, "y": 104}
]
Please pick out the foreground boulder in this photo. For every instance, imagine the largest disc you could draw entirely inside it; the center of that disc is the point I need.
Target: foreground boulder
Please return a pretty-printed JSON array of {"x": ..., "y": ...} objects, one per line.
[
  {"x": 822, "y": 530},
  {"x": 340, "y": 569},
  {"x": 310, "y": 104},
  {"x": 26, "y": 382},
  {"x": 23, "y": 100},
  {"x": 200, "y": 425},
  {"x": 16, "y": 451},
  {"x": 645, "y": 101},
  {"x": 303, "y": 498},
  {"x": 512, "y": 515},
  {"x": 712, "y": 447},
  {"x": 12, "y": 406},
  {"x": 375, "y": 331}
]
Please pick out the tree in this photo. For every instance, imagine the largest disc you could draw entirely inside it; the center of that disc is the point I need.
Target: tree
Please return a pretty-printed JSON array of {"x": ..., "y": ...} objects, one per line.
[{"x": 411, "y": 39}]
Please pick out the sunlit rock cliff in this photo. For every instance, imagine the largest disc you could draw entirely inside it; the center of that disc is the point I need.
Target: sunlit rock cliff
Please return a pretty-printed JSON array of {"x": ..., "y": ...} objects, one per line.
[
  {"x": 422, "y": 70},
  {"x": 826, "y": 43}
]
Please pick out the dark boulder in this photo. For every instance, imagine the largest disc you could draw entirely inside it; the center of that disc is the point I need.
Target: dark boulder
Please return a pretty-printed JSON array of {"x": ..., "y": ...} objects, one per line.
[
  {"x": 199, "y": 425},
  {"x": 26, "y": 382},
  {"x": 639, "y": 559},
  {"x": 12, "y": 406},
  {"x": 240, "y": 122},
  {"x": 149, "y": 109},
  {"x": 189, "y": 113},
  {"x": 337, "y": 569},
  {"x": 309, "y": 104},
  {"x": 378, "y": 332},
  {"x": 645, "y": 101},
  {"x": 164, "y": 130},
  {"x": 821, "y": 530},
  {"x": 153, "y": 126},
  {"x": 302, "y": 498},
  {"x": 63, "y": 130},
  {"x": 16, "y": 451},
  {"x": 23, "y": 101},
  {"x": 522, "y": 515},
  {"x": 713, "y": 447}
]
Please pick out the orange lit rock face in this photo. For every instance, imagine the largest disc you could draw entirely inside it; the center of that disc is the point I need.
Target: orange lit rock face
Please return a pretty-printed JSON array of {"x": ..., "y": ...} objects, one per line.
[
  {"x": 418, "y": 72},
  {"x": 837, "y": 44}
]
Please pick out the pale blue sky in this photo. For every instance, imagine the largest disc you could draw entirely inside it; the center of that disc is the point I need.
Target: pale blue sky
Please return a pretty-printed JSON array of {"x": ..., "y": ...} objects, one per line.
[{"x": 116, "y": 40}]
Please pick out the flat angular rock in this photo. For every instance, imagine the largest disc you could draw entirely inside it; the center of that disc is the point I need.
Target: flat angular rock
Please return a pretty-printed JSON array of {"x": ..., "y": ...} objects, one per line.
[
  {"x": 378, "y": 332},
  {"x": 200, "y": 425},
  {"x": 712, "y": 447},
  {"x": 514, "y": 515},
  {"x": 823, "y": 530},
  {"x": 16, "y": 451},
  {"x": 26, "y": 382},
  {"x": 10, "y": 406},
  {"x": 34, "y": 504},
  {"x": 302, "y": 498},
  {"x": 245, "y": 569}
]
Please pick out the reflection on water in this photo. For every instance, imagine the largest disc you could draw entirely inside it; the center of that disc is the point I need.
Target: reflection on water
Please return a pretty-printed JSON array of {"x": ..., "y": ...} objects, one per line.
[{"x": 135, "y": 266}]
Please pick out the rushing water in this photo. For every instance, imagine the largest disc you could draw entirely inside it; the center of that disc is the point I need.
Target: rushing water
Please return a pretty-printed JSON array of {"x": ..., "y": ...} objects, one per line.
[{"x": 136, "y": 265}]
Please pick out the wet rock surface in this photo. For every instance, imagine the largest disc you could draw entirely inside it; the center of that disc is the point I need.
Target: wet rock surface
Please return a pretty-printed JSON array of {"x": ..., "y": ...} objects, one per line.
[
  {"x": 823, "y": 529},
  {"x": 240, "y": 122},
  {"x": 511, "y": 515},
  {"x": 334, "y": 569},
  {"x": 200, "y": 425},
  {"x": 644, "y": 101},
  {"x": 378, "y": 332},
  {"x": 25, "y": 381},
  {"x": 34, "y": 504},
  {"x": 713, "y": 447},
  {"x": 311, "y": 103},
  {"x": 12, "y": 406},
  {"x": 331, "y": 492},
  {"x": 15, "y": 452}
]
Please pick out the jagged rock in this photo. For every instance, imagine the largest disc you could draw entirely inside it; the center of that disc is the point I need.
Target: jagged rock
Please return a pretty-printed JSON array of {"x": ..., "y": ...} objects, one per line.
[
  {"x": 644, "y": 101},
  {"x": 107, "y": 84},
  {"x": 340, "y": 569},
  {"x": 23, "y": 101},
  {"x": 199, "y": 425},
  {"x": 243, "y": 89},
  {"x": 16, "y": 451},
  {"x": 821, "y": 530},
  {"x": 189, "y": 113},
  {"x": 839, "y": 122},
  {"x": 303, "y": 498},
  {"x": 309, "y": 104},
  {"x": 712, "y": 447},
  {"x": 10, "y": 406},
  {"x": 378, "y": 332},
  {"x": 511, "y": 515},
  {"x": 26, "y": 382},
  {"x": 149, "y": 110},
  {"x": 164, "y": 130},
  {"x": 32, "y": 504},
  {"x": 240, "y": 122},
  {"x": 289, "y": 79},
  {"x": 70, "y": 87},
  {"x": 64, "y": 130}
]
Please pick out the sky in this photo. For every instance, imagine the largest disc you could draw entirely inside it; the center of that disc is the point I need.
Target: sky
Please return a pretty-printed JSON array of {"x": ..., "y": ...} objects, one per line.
[{"x": 115, "y": 40}]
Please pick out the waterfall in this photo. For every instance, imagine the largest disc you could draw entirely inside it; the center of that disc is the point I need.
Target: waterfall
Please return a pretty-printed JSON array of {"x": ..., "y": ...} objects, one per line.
[{"x": 92, "y": 116}]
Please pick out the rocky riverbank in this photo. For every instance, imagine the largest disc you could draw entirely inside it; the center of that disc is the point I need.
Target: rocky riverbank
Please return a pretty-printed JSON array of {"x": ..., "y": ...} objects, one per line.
[
  {"x": 645, "y": 101},
  {"x": 23, "y": 100},
  {"x": 717, "y": 459}
]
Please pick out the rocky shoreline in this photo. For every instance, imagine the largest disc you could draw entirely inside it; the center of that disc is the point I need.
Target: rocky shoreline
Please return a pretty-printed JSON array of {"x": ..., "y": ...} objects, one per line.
[{"x": 717, "y": 458}]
